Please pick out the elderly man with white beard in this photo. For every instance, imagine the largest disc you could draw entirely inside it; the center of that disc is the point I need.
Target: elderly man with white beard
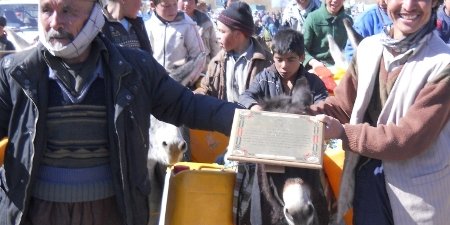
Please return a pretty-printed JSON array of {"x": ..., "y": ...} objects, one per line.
[{"x": 76, "y": 110}]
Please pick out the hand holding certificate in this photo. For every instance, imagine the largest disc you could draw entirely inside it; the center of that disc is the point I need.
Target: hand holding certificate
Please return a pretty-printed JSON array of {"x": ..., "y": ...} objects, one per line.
[{"x": 276, "y": 138}]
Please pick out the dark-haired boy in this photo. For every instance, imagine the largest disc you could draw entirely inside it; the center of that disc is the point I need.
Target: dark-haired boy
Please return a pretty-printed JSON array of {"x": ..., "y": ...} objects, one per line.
[
  {"x": 280, "y": 78},
  {"x": 286, "y": 71}
]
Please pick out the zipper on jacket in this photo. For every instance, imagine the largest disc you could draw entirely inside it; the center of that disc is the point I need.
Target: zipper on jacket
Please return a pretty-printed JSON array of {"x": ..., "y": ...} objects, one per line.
[
  {"x": 132, "y": 117},
  {"x": 33, "y": 137},
  {"x": 120, "y": 158}
]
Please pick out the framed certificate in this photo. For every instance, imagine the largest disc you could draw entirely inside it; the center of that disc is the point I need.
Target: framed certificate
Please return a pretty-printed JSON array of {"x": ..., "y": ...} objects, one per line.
[{"x": 280, "y": 139}]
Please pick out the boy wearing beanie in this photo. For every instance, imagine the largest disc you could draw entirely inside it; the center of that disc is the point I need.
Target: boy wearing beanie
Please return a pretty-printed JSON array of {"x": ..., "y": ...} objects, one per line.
[{"x": 241, "y": 58}]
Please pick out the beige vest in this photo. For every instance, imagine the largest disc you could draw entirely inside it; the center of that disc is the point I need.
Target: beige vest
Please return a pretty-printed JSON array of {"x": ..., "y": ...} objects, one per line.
[{"x": 418, "y": 188}]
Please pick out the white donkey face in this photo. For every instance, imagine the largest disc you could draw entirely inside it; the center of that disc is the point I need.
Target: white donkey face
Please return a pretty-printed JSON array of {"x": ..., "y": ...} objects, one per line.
[
  {"x": 298, "y": 206},
  {"x": 167, "y": 145}
]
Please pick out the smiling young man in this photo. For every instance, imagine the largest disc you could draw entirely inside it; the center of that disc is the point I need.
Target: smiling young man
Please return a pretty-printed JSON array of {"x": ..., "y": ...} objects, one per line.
[
  {"x": 392, "y": 111},
  {"x": 76, "y": 111},
  {"x": 325, "y": 20}
]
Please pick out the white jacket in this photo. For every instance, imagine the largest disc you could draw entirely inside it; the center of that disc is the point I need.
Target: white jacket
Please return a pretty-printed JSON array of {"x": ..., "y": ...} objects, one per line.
[{"x": 175, "y": 43}]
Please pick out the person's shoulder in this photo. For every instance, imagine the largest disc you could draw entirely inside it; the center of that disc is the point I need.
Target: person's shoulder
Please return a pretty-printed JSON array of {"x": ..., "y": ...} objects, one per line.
[
  {"x": 371, "y": 41},
  {"x": 437, "y": 45},
  {"x": 220, "y": 56},
  {"x": 153, "y": 21},
  {"x": 312, "y": 76},
  {"x": 28, "y": 59},
  {"x": 369, "y": 13},
  {"x": 125, "y": 53},
  {"x": 317, "y": 14},
  {"x": 133, "y": 55},
  {"x": 441, "y": 12},
  {"x": 202, "y": 17},
  {"x": 270, "y": 72},
  {"x": 183, "y": 18},
  {"x": 260, "y": 51}
]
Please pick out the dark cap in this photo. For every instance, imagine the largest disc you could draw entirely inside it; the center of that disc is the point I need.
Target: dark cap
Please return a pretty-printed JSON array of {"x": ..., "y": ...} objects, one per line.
[
  {"x": 2, "y": 21},
  {"x": 238, "y": 16}
]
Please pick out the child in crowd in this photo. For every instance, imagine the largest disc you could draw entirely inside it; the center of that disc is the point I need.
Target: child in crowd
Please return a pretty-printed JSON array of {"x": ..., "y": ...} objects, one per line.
[
  {"x": 443, "y": 21},
  {"x": 286, "y": 72},
  {"x": 175, "y": 39},
  {"x": 241, "y": 58}
]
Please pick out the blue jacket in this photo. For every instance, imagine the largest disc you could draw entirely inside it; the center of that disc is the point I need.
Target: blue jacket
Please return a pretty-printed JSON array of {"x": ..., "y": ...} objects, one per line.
[
  {"x": 267, "y": 84},
  {"x": 367, "y": 24},
  {"x": 137, "y": 86},
  {"x": 443, "y": 24}
]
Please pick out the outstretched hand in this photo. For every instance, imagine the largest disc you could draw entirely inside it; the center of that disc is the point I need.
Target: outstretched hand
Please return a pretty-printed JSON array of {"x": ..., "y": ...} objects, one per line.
[
  {"x": 256, "y": 108},
  {"x": 333, "y": 128}
]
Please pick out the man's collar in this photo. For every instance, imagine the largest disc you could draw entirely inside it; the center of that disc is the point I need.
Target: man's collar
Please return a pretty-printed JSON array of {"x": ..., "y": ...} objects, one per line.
[{"x": 248, "y": 53}]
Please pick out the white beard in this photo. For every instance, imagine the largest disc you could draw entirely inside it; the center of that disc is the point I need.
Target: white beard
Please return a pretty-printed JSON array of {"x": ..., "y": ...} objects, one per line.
[{"x": 81, "y": 42}]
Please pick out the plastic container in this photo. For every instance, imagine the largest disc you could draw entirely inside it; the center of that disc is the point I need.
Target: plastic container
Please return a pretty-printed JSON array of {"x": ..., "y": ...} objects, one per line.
[{"x": 198, "y": 194}]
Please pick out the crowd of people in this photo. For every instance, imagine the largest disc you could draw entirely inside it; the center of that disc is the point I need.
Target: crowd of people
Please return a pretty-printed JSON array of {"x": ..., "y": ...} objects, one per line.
[{"x": 76, "y": 108}]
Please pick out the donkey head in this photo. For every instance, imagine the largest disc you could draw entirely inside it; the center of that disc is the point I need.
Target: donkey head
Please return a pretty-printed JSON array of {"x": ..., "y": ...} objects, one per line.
[
  {"x": 298, "y": 207},
  {"x": 167, "y": 144}
]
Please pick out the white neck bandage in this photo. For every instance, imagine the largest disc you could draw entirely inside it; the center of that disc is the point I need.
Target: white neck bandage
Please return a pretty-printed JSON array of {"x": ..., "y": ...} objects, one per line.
[{"x": 82, "y": 41}]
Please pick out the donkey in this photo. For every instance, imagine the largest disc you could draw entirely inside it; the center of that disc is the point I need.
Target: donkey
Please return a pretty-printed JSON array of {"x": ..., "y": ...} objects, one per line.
[
  {"x": 167, "y": 145},
  {"x": 303, "y": 199}
]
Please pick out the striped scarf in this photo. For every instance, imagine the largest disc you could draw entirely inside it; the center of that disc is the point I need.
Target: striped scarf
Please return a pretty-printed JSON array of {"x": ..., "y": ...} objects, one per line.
[{"x": 409, "y": 42}]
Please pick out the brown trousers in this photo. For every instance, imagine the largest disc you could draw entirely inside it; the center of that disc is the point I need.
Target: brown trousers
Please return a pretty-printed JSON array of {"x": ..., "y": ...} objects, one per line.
[{"x": 100, "y": 212}]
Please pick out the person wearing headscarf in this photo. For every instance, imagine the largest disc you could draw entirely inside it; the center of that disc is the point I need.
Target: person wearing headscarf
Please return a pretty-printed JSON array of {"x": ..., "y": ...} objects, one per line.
[
  {"x": 392, "y": 112},
  {"x": 76, "y": 112}
]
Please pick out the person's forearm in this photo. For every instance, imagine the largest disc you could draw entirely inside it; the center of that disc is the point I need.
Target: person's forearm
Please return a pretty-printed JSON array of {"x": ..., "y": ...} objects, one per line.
[{"x": 413, "y": 133}]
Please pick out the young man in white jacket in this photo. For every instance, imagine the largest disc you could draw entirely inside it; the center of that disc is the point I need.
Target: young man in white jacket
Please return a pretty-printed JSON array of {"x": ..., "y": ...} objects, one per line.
[{"x": 175, "y": 39}]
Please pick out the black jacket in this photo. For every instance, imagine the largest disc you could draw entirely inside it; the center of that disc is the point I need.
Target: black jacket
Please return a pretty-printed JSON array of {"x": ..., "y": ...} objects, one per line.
[
  {"x": 5, "y": 45},
  {"x": 267, "y": 84},
  {"x": 137, "y": 86}
]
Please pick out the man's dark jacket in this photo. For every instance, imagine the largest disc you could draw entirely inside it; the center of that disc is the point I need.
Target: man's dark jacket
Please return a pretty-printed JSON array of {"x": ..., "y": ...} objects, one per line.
[{"x": 136, "y": 86}]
